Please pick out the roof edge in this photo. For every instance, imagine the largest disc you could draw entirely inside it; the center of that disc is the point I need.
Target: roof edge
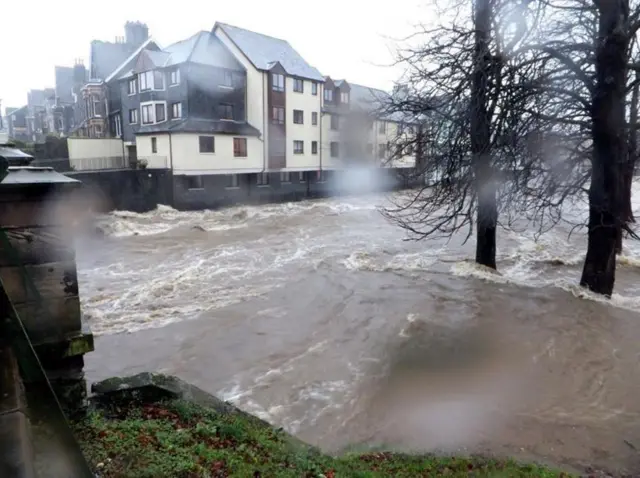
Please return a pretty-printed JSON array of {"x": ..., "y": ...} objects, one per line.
[{"x": 146, "y": 43}]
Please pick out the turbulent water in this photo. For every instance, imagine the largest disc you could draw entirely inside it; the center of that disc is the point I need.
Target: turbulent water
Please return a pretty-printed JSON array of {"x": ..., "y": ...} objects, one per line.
[{"x": 319, "y": 317}]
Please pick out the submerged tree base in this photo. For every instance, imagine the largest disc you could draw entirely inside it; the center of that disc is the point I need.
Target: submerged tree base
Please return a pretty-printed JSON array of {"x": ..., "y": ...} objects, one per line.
[{"x": 177, "y": 438}]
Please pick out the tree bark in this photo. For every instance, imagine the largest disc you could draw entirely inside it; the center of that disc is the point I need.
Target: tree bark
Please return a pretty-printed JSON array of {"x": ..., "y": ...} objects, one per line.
[
  {"x": 609, "y": 144},
  {"x": 487, "y": 213}
]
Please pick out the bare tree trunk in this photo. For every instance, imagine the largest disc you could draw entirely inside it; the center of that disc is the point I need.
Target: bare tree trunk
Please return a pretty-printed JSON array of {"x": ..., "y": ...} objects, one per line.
[
  {"x": 609, "y": 143},
  {"x": 480, "y": 140},
  {"x": 633, "y": 153}
]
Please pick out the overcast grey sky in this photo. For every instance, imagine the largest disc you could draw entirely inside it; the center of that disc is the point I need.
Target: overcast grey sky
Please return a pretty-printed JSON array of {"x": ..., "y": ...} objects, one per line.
[{"x": 342, "y": 38}]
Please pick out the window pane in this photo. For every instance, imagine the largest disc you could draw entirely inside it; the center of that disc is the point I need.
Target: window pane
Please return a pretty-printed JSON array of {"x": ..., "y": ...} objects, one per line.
[
  {"x": 160, "y": 113},
  {"x": 240, "y": 147},
  {"x": 314, "y": 147},
  {"x": 206, "y": 144},
  {"x": 158, "y": 80}
]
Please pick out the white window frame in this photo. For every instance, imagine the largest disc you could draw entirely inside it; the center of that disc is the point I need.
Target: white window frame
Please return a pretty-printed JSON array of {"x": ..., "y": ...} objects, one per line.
[
  {"x": 299, "y": 81},
  {"x": 118, "y": 124},
  {"x": 173, "y": 110},
  {"x": 344, "y": 95},
  {"x": 135, "y": 120},
  {"x": 227, "y": 75},
  {"x": 275, "y": 86},
  {"x": 174, "y": 77},
  {"x": 149, "y": 81},
  {"x": 132, "y": 82},
  {"x": 328, "y": 94},
  {"x": 214, "y": 144},
  {"x": 153, "y": 109}
]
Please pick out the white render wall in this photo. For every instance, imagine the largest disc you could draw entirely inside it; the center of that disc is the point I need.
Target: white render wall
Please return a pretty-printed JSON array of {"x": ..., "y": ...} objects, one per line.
[
  {"x": 91, "y": 154},
  {"x": 306, "y": 132},
  {"x": 161, "y": 159},
  {"x": 187, "y": 158}
]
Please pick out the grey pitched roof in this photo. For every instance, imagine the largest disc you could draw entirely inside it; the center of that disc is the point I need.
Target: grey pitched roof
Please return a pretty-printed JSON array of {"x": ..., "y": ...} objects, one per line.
[
  {"x": 33, "y": 175},
  {"x": 373, "y": 100},
  {"x": 105, "y": 57},
  {"x": 196, "y": 125},
  {"x": 263, "y": 51},
  {"x": 203, "y": 48},
  {"x": 15, "y": 156}
]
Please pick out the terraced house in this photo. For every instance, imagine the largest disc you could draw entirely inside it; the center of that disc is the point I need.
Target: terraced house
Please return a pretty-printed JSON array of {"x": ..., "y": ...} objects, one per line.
[{"x": 233, "y": 113}]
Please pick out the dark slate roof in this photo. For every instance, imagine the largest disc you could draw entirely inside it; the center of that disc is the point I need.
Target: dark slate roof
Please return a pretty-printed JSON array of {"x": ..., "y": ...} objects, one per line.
[
  {"x": 203, "y": 48},
  {"x": 30, "y": 175},
  {"x": 263, "y": 51},
  {"x": 373, "y": 100},
  {"x": 15, "y": 156},
  {"x": 105, "y": 57},
  {"x": 64, "y": 84},
  {"x": 195, "y": 125}
]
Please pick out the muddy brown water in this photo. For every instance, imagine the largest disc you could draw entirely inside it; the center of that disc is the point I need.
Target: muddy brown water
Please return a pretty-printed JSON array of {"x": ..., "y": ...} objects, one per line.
[{"x": 318, "y": 317}]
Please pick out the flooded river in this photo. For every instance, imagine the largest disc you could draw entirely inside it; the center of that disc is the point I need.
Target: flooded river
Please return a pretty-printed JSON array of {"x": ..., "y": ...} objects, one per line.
[{"x": 318, "y": 317}]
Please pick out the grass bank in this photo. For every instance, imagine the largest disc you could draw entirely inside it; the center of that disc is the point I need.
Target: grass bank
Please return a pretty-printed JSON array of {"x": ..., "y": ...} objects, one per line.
[{"x": 179, "y": 439}]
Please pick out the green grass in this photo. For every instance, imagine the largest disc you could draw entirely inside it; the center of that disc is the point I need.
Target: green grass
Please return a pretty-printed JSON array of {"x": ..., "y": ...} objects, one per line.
[{"x": 178, "y": 439}]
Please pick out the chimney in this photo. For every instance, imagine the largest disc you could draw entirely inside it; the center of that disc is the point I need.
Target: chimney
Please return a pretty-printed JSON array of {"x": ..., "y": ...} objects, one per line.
[
  {"x": 79, "y": 72},
  {"x": 136, "y": 33}
]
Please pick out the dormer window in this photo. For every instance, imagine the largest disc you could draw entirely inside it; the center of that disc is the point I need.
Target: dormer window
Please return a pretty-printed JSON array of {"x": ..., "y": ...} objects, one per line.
[
  {"x": 344, "y": 97},
  {"x": 175, "y": 77},
  {"x": 328, "y": 95},
  {"x": 278, "y": 81}
]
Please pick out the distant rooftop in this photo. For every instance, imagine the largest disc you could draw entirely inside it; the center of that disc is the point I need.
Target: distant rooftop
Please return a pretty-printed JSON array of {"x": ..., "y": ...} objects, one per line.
[{"x": 263, "y": 51}]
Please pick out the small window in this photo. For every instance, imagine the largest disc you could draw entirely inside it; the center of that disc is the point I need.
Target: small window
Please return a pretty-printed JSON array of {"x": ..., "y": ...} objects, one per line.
[
  {"x": 344, "y": 97},
  {"x": 277, "y": 115},
  {"x": 278, "y": 82},
  {"x": 314, "y": 118},
  {"x": 233, "y": 181},
  {"x": 298, "y": 85},
  {"x": 328, "y": 95},
  {"x": 146, "y": 80},
  {"x": 240, "y": 147},
  {"x": 154, "y": 145},
  {"x": 133, "y": 116},
  {"x": 147, "y": 114},
  {"x": 335, "y": 149},
  {"x": 285, "y": 177},
  {"x": 160, "y": 113},
  {"x": 193, "y": 182},
  {"x": 298, "y": 147},
  {"x": 298, "y": 117},
  {"x": 176, "y": 110},
  {"x": 314, "y": 88},
  {"x": 226, "y": 111},
  {"x": 382, "y": 150},
  {"x": 314, "y": 147},
  {"x": 174, "y": 78},
  {"x": 262, "y": 179},
  {"x": 131, "y": 89},
  {"x": 227, "y": 79},
  {"x": 207, "y": 144},
  {"x": 335, "y": 122},
  {"x": 302, "y": 177},
  {"x": 382, "y": 127},
  {"x": 158, "y": 80}
]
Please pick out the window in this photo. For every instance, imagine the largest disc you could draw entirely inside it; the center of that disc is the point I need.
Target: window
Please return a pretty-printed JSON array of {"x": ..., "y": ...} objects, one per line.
[
  {"x": 133, "y": 116},
  {"x": 335, "y": 149},
  {"x": 174, "y": 77},
  {"x": 344, "y": 97},
  {"x": 233, "y": 181},
  {"x": 240, "y": 147},
  {"x": 335, "y": 122},
  {"x": 301, "y": 177},
  {"x": 160, "y": 113},
  {"x": 314, "y": 118},
  {"x": 382, "y": 128},
  {"x": 227, "y": 79},
  {"x": 298, "y": 147},
  {"x": 176, "y": 110},
  {"x": 118, "y": 125},
  {"x": 298, "y": 85},
  {"x": 193, "y": 182},
  {"x": 154, "y": 145},
  {"x": 147, "y": 114},
  {"x": 298, "y": 117},
  {"x": 277, "y": 115},
  {"x": 285, "y": 177},
  {"x": 131, "y": 88},
  {"x": 278, "y": 82},
  {"x": 262, "y": 179},
  {"x": 314, "y": 88},
  {"x": 158, "y": 80},
  {"x": 328, "y": 95},
  {"x": 207, "y": 144},
  {"x": 146, "y": 80},
  {"x": 314, "y": 147},
  {"x": 226, "y": 111},
  {"x": 382, "y": 149}
]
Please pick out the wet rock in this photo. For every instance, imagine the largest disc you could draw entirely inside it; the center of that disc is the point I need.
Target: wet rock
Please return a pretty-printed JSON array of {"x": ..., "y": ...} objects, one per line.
[{"x": 198, "y": 227}]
